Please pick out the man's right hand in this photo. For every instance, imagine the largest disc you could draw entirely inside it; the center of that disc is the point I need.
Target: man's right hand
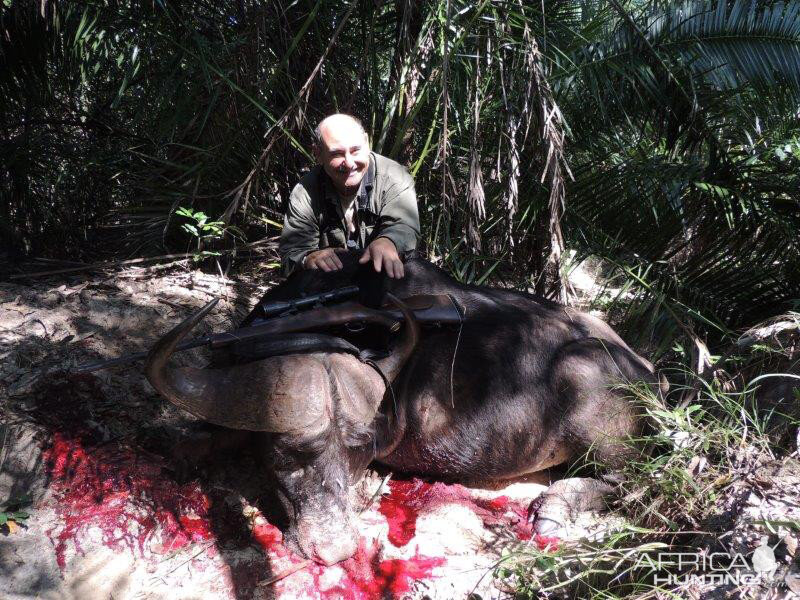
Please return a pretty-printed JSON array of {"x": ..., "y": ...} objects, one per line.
[{"x": 324, "y": 259}]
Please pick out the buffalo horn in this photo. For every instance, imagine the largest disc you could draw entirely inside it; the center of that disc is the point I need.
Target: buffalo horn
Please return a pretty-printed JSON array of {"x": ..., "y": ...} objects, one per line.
[
  {"x": 358, "y": 393},
  {"x": 252, "y": 397},
  {"x": 391, "y": 365}
]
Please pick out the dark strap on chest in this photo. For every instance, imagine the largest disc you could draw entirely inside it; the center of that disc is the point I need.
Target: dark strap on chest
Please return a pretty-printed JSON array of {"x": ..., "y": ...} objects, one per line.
[{"x": 293, "y": 343}]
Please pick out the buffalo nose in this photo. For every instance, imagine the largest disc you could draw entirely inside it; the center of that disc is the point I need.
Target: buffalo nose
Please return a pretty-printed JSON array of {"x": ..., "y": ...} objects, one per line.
[{"x": 330, "y": 554}]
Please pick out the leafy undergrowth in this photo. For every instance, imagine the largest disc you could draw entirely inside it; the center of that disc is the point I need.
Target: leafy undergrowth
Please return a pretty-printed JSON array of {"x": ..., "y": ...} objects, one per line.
[
  {"x": 711, "y": 507},
  {"x": 12, "y": 517}
]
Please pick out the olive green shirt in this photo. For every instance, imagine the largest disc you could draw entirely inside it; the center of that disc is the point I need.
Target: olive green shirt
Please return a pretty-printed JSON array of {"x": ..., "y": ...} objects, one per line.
[{"x": 386, "y": 206}]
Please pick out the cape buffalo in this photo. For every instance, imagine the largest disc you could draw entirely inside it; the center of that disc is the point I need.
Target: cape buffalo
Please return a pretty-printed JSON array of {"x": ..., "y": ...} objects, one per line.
[{"x": 522, "y": 385}]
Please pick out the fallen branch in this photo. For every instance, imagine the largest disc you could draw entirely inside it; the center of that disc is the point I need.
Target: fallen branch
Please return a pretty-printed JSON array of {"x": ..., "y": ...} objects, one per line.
[
  {"x": 171, "y": 303},
  {"x": 136, "y": 272},
  {"x": 53, "y": 261},
  {"x": 205, "y": 547},
  {"x": 100, "y": 266}
]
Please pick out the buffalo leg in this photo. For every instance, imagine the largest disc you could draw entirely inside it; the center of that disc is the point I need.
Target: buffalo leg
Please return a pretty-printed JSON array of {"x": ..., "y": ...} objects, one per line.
[{"x": 601, "y": 420}]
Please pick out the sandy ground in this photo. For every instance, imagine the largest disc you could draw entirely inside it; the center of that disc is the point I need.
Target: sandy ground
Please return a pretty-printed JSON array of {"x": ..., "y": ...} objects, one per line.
[{"x": 114, "y": 512}]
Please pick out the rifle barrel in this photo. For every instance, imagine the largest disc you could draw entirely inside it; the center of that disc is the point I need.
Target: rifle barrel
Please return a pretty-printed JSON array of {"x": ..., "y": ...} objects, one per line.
[{"x": 428, "y": 309}]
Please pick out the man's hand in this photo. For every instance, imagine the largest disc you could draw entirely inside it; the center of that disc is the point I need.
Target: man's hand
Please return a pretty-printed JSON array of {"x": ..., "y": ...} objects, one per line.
[
  {"x": 324, "y": 259},
  {"x": 382, "y": 253}
]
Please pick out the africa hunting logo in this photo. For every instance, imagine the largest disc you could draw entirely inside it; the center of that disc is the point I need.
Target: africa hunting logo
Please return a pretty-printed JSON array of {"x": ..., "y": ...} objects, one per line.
[{"x": 716, "y": 568}]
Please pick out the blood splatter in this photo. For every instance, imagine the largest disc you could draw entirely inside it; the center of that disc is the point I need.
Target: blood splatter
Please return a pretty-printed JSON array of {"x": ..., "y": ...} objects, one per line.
[
  {"x": 268, "y": 537},
  {"x": 545, "y": 542},
  {"x": 401, "y": 508},
  {"x": 369, "y": 578},
  {"x": 408, "y": 498},
  {"x": 122, "y": 495}
]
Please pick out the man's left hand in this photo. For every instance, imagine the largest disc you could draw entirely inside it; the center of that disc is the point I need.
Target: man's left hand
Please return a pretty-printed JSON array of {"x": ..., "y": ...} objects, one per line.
[{"x": 383, "y": 254}]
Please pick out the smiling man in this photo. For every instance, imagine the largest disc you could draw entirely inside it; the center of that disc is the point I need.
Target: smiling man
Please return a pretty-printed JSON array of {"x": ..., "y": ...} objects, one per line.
[{"x": 353, "y": 199}]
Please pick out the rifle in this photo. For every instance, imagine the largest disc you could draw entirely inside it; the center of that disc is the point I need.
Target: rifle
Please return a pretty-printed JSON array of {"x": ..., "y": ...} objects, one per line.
[
  {"x": 269, "y": 310},
  {"x": 428, "y": 309}
]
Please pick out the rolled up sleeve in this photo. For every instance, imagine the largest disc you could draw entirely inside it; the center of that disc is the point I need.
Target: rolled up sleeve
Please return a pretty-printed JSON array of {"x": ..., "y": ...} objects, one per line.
[
  {"x": 399, "y": 216},
  {"x": 300, "y": 233}
]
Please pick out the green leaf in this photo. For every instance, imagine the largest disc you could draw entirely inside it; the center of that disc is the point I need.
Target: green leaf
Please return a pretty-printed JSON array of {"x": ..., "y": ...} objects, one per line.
[{"x": 708, "y": 187}]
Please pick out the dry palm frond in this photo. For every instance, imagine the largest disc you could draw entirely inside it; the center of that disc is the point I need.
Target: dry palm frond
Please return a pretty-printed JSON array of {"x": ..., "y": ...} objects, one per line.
[
  {"x": 447, "y": 199},
  {"x": 476, "y": 199},
  {"x": 550, "y": 124},
  {"x": 279, "y": 127}
]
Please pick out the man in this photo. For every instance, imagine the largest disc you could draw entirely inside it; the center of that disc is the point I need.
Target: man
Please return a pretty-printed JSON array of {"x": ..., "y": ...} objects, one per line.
[{"x": 353, "y": 199}]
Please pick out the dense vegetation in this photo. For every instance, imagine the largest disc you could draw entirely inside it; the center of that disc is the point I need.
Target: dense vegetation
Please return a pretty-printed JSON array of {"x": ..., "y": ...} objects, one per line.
[{"x": 661, "y": 137}]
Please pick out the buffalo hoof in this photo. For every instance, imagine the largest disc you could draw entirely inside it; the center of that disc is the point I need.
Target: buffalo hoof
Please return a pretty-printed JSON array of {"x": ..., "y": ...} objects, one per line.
[
  {"x": 563, "y": 501},
  {"x": 548, "y": 518},
  {"x": 548, "y": 527}
]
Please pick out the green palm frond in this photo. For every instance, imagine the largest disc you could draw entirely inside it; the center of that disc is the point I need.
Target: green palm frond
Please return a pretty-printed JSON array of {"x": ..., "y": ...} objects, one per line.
[
  {"x": 721, "y": 244},
  {"x": 671, "y": 63}
]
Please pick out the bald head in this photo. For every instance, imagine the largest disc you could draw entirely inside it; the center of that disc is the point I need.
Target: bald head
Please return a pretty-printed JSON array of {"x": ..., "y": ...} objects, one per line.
[
  {"x": 342, "y": 148},
  {"x": 340, "y": 122}
]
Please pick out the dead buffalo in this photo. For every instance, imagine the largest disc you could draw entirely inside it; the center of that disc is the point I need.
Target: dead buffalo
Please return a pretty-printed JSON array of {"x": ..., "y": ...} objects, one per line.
[{"x": 522, "y": 385}]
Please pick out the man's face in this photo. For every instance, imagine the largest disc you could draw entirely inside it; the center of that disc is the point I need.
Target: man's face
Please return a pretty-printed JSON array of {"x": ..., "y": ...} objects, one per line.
[{"x": 344, "y": 154}]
